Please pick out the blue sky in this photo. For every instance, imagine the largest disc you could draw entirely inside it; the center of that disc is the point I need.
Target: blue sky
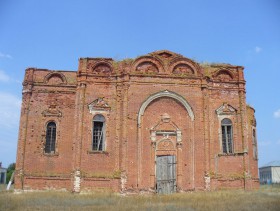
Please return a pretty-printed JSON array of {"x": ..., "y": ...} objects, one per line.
[{"x": 54, "y": 34}]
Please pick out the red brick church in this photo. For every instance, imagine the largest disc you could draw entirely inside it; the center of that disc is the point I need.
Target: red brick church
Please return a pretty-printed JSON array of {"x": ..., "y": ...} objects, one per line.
[{"x": 158, "y": 123}]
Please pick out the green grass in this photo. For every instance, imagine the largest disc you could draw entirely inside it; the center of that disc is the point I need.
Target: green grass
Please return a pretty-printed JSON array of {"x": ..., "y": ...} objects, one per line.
[{"x": 266, "y": 198}]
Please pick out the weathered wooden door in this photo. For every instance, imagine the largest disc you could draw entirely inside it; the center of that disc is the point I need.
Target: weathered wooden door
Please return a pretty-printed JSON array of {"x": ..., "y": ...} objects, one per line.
[{"x": 166, "y": 174}]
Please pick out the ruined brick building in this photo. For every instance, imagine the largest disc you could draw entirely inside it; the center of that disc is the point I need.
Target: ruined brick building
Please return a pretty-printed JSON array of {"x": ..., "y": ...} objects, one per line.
[{"x": 160, "y": 122}]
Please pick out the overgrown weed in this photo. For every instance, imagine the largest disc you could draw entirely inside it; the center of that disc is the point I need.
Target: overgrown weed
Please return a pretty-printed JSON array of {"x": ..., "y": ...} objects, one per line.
[{"x": 266, "y": 198}]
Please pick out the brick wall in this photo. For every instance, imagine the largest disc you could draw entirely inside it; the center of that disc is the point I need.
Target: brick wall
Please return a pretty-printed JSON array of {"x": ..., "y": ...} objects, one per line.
[{"x": 157, "y": 104}]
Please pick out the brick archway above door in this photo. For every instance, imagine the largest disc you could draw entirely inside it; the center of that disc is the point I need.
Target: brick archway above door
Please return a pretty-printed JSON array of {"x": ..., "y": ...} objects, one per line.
[{"x": 165, "y": 93}]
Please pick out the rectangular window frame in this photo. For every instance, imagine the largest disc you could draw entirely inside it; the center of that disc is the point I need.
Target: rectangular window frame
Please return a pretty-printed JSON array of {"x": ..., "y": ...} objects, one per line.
[
  {"x": 51, "y": 134},
  {"x": 227, "y": 139},
  {"x": 98, "y": 136}
]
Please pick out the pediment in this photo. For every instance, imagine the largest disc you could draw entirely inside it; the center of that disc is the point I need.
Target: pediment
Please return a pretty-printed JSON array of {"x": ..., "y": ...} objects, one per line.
[
  {"x": 165, "y": 124},
  {"x": 99, "y": 105},
  {"x": 226, "y": 109},
  {"x": 165, "y": 62},
  {"x": 165, "y": 54}
]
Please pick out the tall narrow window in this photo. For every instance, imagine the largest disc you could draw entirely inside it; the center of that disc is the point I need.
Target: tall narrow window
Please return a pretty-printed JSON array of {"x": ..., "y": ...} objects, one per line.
[
  {"x": 227, "y": 136},
  {"x": 50, "y": 138},
  {"x": 98, "y": 133},
  {"x": 255, "y": 149}
]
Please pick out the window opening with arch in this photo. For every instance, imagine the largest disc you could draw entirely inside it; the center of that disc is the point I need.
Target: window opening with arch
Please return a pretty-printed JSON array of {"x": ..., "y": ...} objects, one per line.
[
  {"x": 50, "y": 138},
  {"x": 98, "y": 141},
  {"x": 227, "y": 140}
]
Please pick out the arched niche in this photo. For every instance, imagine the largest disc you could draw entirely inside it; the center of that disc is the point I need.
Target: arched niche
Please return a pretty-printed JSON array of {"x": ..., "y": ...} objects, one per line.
[
  {"x": 147, "y": 67},
  {"x": 102, "y": 67},
  {"x": 164, "y": 94},
  {"x": 184, "y": 66},
  {"x": 224, "y": 75},
  {"x": 147, "y": 64},
  {"x": 55, "y": 78},
  {"x": 183, "y": 69}
]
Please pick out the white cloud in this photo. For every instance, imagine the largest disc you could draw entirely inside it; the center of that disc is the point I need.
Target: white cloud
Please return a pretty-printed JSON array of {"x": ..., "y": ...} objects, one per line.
[
  {"x": 9, "y": 110},
  {"x": 6, "y": 78},
  {"x": 276, "y": 114},
  {"x": 3, "y": 76},
  {"x": 5, "y": 56},
  {"x": 264, "y": 143},
  {"x": 278, "y": 142},
  {"x": 258, "y": 49}
]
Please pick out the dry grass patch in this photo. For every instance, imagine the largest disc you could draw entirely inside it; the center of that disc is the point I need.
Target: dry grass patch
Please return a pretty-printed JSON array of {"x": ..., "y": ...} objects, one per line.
[{"x": 267, "y": 198}]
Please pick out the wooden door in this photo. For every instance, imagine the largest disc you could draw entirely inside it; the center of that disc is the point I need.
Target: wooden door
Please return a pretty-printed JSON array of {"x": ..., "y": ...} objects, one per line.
[{"x": 166, "y": 174}]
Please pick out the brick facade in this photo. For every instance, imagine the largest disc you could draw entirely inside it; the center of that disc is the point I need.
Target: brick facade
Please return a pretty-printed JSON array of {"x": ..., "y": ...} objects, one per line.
[{"x": 155, "y": 105}]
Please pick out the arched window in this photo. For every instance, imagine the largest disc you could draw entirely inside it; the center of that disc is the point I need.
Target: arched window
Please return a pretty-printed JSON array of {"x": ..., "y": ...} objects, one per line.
[
  {"x": 50, "y": 138},
  {"x": 98, "y": 140},
  {"x": 227, "y": 141},
  {"x": 255, "y": 149}
]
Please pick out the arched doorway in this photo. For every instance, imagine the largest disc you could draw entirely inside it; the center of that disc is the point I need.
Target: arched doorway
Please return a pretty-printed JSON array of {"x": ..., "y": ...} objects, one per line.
[{"x": 162, "y": 120}]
